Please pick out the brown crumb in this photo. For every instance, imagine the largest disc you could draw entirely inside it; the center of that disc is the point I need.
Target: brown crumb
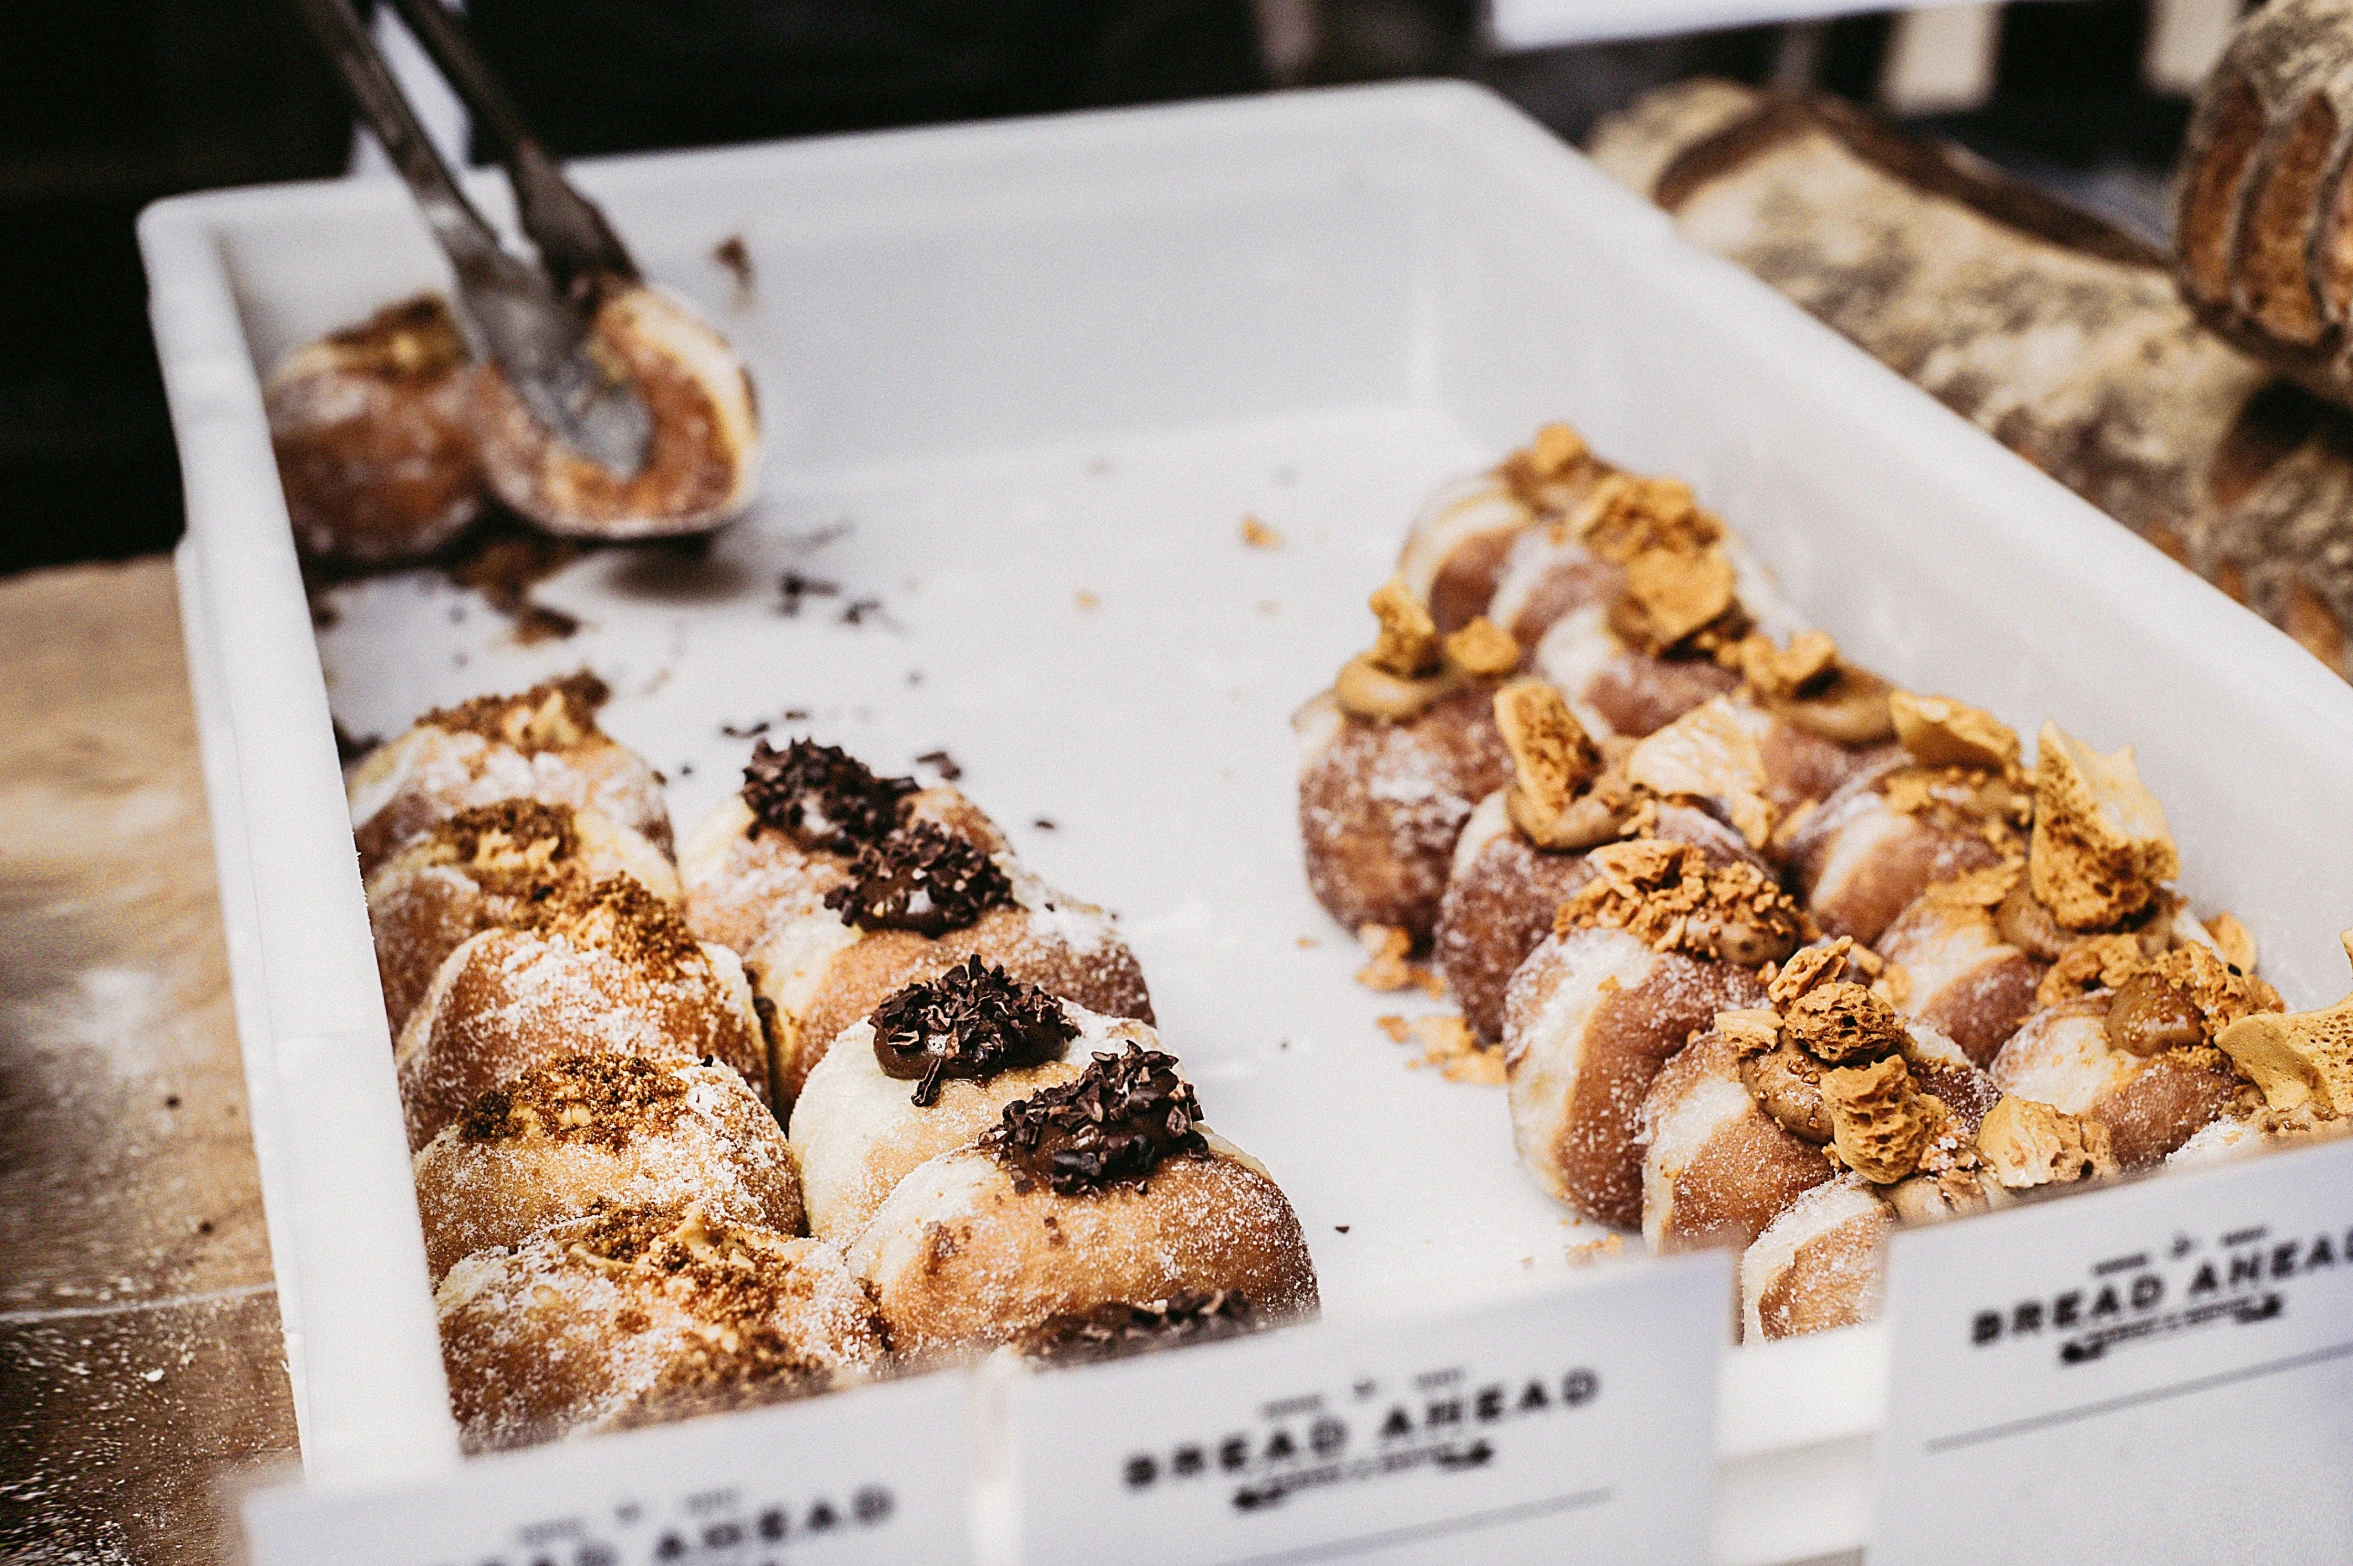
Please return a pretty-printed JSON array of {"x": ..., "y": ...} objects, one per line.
[
  {"x": 1408, "y": 645},
  {"x": 1882, "y": 1125},
  {"x": 1449, "y": 1044},
  {"x": 1398, "y": 1029},
  {"x": 1084, "y": 599},
  {"x": 2234, "y": 940},
  {"x": 1308, "y": 943},
  {"x": 1388, "y": 947},
  {"x": 1586, "y": 1253},
  {"x": 1258, "y": 535}
]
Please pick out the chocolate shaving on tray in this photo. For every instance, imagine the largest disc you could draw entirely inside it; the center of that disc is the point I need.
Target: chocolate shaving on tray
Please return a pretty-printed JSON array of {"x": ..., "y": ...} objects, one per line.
[
  {"x": 921, "y": 878},
  {"x": 1116, "y": 1328},
  {"x": 1121, "y": 1119},
  {"x": 821, "y": 796},
  {"x": 972, "y": 1021}
]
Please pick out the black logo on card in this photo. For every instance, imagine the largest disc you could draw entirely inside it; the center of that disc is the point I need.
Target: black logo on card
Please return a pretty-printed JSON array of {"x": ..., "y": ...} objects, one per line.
[
  {"x": 1445, "y": 1423},
  {"x": 711, "y": 1525},
  {"x": 2241, "y": 1279}
]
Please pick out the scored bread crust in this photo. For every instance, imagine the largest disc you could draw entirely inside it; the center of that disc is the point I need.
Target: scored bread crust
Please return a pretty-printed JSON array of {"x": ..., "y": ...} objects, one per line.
[
  {"x": 2151, "y": 1106},
  {"x": 1715, "y": 1166},
  {"x": 858, "y": 1130},
  {"x": 1962, "y": 978},
  {"x": 507, "y": 1000},
  {"x": 958, "y": 1260},
  {"x": 1381, "y": 804},
  {"x": 712, "y": 1141},
  {"x": 405, "y": 787},
  {"x": 1819, "y": 1265},
  {"x": 1590, "y": 1020}
]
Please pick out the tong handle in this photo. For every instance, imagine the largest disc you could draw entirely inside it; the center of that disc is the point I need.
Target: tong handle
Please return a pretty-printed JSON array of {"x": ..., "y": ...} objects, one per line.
[{"x": 575, "y": 242}]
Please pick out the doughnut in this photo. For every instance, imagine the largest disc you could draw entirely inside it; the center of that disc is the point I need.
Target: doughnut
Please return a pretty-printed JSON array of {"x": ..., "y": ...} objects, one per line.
[
  {"x": 2066, "y": 1056},
  {"x": 1820, "y": 1264},
  {"x": 908, "y": 907},
  {"x": 1522, "y": 854},
  {"x": 1117, "y": 1329},
  {"x": 543, "y": 744},
  {"x": 1643, "y": 956},
  {"x": 787, "y": 837},
  {"x": 483, "y": 867},
  {"x": 931, "y": 1069},
  {"x": 1958, "y": 975},
  {"x": 1715, "y": 1167},
  {"x": 703, "y": 459},
  {"x": 369, "y": 427},
  {"x": 1466, "y": 540},
  {"x": 1615, "y": 689},
  {"x": 606, "y": 968},
  {"x": 550, "y": 1144},
  {"x": 1099, "y": 1190},
  {"x": 1951, "y": 801},
  {"x": 634, "y": 1316},
  {"x": 1547, "y": 577}
]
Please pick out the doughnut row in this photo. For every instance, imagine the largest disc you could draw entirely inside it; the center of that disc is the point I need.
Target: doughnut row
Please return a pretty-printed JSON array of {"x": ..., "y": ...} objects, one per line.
[
  {"x": 1777, "y": 955},
  {"x": 600, "y": 1052},
  {"x": 391, "y": 439}
]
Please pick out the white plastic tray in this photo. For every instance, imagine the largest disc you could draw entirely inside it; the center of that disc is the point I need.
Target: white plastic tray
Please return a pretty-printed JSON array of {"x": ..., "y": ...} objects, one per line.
[{"x": 1032, "y": 361}]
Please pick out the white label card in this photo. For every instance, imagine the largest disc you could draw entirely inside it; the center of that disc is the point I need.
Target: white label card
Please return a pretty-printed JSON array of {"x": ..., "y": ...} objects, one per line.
[
  {"x": 1577, "y": 1425},
  {"x": 881, "y": 1474},
  {"x": 2159, "y": 1372}
]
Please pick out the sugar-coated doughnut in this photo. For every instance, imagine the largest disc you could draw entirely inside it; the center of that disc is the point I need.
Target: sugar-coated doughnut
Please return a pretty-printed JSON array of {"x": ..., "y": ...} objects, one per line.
[
  {"x": 959, "y": 1048},
  {"x": 369, "y": 425},
  {"x": 2151, "y": 1104},
  {"x": 701, "y": 464},
  {"x": 488, "y": 866},
  {"x": 1820, "y": 1264},
  {"x": 1716, "y": 1167},
  {"x": 1456, "y": 548},
  {"x": 609, "y": 969},
  {"x": 1864, "y": 856},
  {"x": 543, "y": 744},
  {"x": 1104, "y": 1189},
  {"x": 550, "y": 1144},
  {"x": 638, "y": 1315},
  {"x": 1638, "y": 964},
  {"x": 1959, "y": 975}
]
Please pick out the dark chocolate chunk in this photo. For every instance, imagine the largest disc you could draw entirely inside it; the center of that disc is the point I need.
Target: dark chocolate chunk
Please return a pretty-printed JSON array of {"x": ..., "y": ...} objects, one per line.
[
  {"x": 1116, "y": 1328},
  {"x": 821, "y": 795},
  {"x": 1125, "y": 1116},
  {"x": 972, "y": 1021},
  {"x": 921, "y": 878}
]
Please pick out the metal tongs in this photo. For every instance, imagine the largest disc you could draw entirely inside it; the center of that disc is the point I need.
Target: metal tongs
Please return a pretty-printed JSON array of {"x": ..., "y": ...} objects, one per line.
[{"x": 531, "y": 320}]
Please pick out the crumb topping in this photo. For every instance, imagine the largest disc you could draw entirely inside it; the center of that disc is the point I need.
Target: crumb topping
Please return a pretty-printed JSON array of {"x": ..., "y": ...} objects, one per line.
[
  {"x": 2022, "y": 1144},
  {"x": 1882, "y": 1125},
  {"x": 1941, "y": 732},
  {"x": 1117, "y": 1328},
  {"x": 516, "y": 847},
  {"x": 621, "y": 916},
  {"x": 740, "y": 1278},
  {"x": 598, "y": 1100},
  {"x": 2101, "y": 850},
  {"x": 1556, "y": 453},
  {"x": 2178, "y": 1000},
  {"x": 1407, "y": 645},
  {"x": 553, "y": 715},
  {"x": 1993, "y": 805},
  {"x": 1809, "y": 685},
  {"x": 2301, "y": 1063},
  {"x": 821, "y": 796},
  {"x": 1679, "y": 581},
  {"x": 973, "y": 1021},
  {"x": 921, "y": 877},
  {"x": 1668, "y": 896},
  {"x": 1839, "y": 1023},
  {"x": 1555, "y": 799},
  {"x": 1123, "y": 1117},
  {"x": 1482, "y": 648}
]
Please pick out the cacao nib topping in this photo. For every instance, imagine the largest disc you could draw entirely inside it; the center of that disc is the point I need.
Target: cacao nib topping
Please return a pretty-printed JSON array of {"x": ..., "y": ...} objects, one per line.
[
  {"x": 1124, "y": 1116},
  {"x": 921, "y": 878},
  {"x": 821, "y": 796},
  {"x": 972, "y": 1021},
  {"x": 1116, "y": 1329}
]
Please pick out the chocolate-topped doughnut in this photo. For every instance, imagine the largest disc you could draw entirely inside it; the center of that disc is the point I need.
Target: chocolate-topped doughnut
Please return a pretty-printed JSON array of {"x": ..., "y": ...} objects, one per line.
[
  {"x": 1643, "y": 956},
  {"x": 1391, "y": 761},
  {"x": 1955, "y": 971},
  {"x": 550, "y": 1144},
  {"x": 1103, "y": 1189},
  {"x": 931, "y": 1069},
  {"x": 543, "y": 744},
  {"x": 922, "y": 900},
  {"x": 638, "y": 1315},
  {"x": 370, "y": 431},
  {"x": 487, "y": 866},
  {"x": 702, "y": 460},
  {"x": 607, "y": 968}
]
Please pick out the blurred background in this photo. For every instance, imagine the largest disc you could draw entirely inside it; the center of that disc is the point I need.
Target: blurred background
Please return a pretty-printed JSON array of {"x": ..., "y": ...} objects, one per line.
[{"x": 106, "y": 105}]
